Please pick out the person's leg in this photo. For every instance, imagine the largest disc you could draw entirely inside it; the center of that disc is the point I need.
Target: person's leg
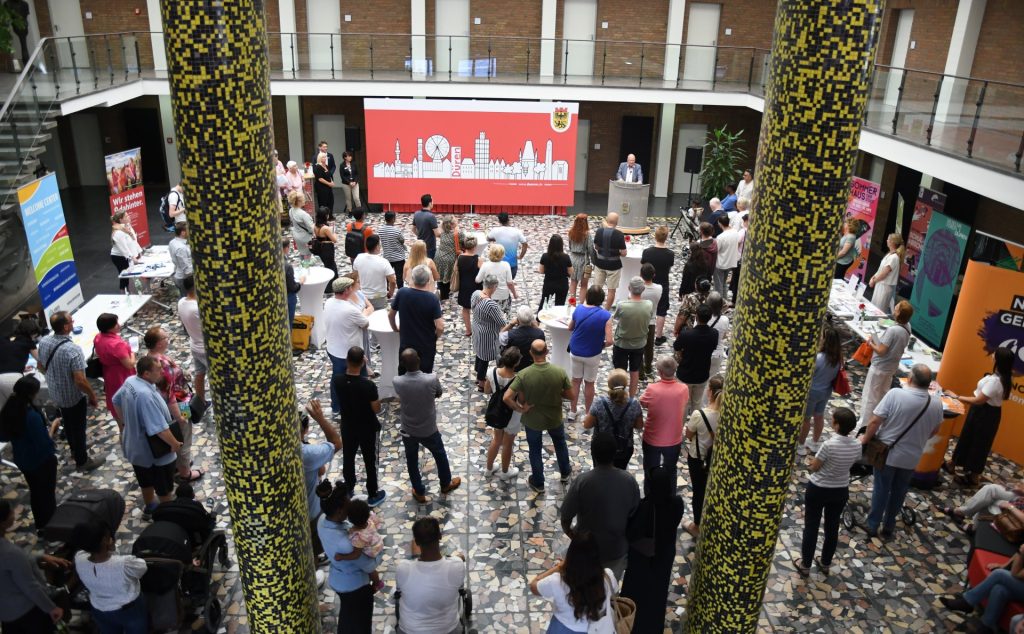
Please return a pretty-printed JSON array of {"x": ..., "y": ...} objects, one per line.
[
  {"x": 368, "y": 447},
  {"x": 515, "y": 269},
  {"x": 834, "y": 506},
  {"x": 999, "y": 587},
  {"x": 696, "y": 397},
  {"x": 534, "y": 439},
  {"x": 338, "y": 367},
  {"x": 435, "y": 445},
  {"x": 622, "y": 460},
  {"x": 577, "y": 381},
  {"x": 348, "y": 460},
  {"x": 135, "y": 617},
  {"x": 734, "y": 282},
  {"x": 318, "y": 547},
  {"x": 121, "y": 263},
  {"x": 444, "y": 290},
  {"x": 467, "y": 321},
  {"x": 986, "y": 499},
  {"x": 620, "y": 358},
  {"x": 561, "y": 450},
  {"x": 480, "y": 367},
  {"x": 840, "y": 271},
  {"x": 819, "y": 426},
  {"x": 804, "y": 428},
  {"x": 293, "y": 301},
  {"x": 507, "y": 444},
  {"x": 900, "y": 486},
  {"x": 184, "y": 459},
  {"x": 412, "y": 463},
  {"x": 880, "y": 493},
  {"x": 427, "y": 360},
  {"x": 876, "y": 384},
  {"x": 355, "y": 615},
  {"x": 634, "y": 383},
  {"x": 699, "y": 481},
  {"x": 814, "y": 502},
  {"x": 561, "y": 292},
  {"x": 163, "y": 481},
  {"x": 399, "y": 266},
  {"x": 346, "y": 191},
  {"x": 356, "y": 197},
  {"x": 649, "y": 352},
  {"x": 73, "y": 418},
  {"x": 42, "y": 491},
  {"x": 35, "y": 621},
  {"x": 492, "y": 449},
  {"x": 588, "y": 393}
]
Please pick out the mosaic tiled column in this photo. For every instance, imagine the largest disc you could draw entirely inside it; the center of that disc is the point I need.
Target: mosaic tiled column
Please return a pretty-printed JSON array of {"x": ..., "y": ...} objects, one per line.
[
  {"x": 220, "y": 91},
  {"x": 821, "y": 62}
]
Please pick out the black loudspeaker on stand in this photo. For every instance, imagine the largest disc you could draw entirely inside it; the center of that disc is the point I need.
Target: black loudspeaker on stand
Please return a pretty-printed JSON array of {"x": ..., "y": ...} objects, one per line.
[{"x": 691, "y": 165}]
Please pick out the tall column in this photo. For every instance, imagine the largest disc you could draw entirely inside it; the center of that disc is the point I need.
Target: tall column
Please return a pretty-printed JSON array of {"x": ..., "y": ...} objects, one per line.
[
  {"x": 814, "y": 102},
  {"x": 548, "y": 17},
  {"x": 663, "y": 157},
  {"x": 156, "y": 34},
  {"x": 289, "y": 37},
  {"x": 418, "y": 33},
  {"x": 674, "y": 39},
  {"x": 960, "y": 59},
  {"x": 220, "y": 92}
]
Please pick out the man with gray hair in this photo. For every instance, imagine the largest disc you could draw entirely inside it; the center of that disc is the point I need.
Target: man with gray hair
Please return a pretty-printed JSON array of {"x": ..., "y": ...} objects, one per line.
[
  {"x": 904, "y": 420},
  {"x": 665, "y": 402},
  {"x": 521, "y": 332},
  {"x": 418, "y": 312},
  {"x": 488, "y": 322},
  {"x": 345, "y": 325},
  {"x": 631, "y": 319}
]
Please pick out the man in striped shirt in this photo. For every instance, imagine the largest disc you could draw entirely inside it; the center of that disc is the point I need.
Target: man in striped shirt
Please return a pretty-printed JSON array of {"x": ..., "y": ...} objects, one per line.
[{"x": 392, "y": 244}]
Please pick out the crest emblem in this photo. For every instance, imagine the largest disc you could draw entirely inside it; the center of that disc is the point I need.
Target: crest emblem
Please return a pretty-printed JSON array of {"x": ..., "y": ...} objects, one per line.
[{"x": 560, "y": 119}]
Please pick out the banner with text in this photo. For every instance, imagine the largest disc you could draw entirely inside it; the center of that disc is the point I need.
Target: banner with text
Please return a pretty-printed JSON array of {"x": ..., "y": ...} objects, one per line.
[
  {"x": 49, "y": 245},
  {"x": 928, "y": 202},
  {"x": 861, "y": 207},
  {"x": 471, "y": 152},
  {"x": 124, "y": 179},
  {"x": 936, "y": 277}
]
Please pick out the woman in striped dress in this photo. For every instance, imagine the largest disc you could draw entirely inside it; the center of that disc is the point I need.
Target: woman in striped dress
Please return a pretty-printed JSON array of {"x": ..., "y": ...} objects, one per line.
[
  {"x": 580, "y": 243},
  {"x": 488, "y": 320}
]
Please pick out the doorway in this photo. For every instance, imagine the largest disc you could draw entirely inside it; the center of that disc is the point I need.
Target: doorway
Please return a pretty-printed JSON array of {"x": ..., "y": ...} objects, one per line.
[
  {"x": 637, "y": 138},
  {"x": 690, "y": 135},
  {"x": 331, "y": 128},
  {"x": 145, "y": 123},
  {"x": 582, "y": 153},
  {"x": 452, "y": 20},
  {"x": 66, "y": 18},
  {"x": 579, "y": 33},
  {"x": 324, "y": 20},
  {"x": 900, "y": 46},
  {"x": 701, "y": 40}
]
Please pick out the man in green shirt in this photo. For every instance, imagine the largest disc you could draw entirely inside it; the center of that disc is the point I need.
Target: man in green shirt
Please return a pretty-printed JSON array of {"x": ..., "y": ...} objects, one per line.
[
  {"x": 631, "y": 319},
  {"x": 537, "y": 392}
]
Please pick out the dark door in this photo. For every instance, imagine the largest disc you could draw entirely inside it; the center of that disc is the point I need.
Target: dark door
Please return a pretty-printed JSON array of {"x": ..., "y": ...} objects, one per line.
[
  {"x": 143, "y": 125},
  {"x": 637, "y": 138}
]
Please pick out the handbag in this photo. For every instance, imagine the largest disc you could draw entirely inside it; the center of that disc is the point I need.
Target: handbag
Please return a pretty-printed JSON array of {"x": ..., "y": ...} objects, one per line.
[
  {"x": 841, "y": 384},
  {"x": 623, "y": 614},
  {"x": 454, "y": 282},
  {"x": 94, "y": 367},
  {"x": 314, "y": 245},
  {"x": 876, "y": 452},
  {"x": 1010, "y": 526},
  {"x": 863, "y": 354},
  {"x": 159, "y": 446}
]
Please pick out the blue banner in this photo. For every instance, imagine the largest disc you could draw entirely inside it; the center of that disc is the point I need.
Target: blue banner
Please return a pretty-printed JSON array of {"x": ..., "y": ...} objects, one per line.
[
  {"x": 49, "y": 245},
  {"x": 939, "y": 267}
]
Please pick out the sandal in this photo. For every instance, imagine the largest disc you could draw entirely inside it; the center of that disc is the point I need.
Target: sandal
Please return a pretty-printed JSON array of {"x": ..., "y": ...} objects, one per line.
[
  {"x": 952, "y": 512},
  {"x": 193, "y": 475},
  {"x": 801, "y": 569}
]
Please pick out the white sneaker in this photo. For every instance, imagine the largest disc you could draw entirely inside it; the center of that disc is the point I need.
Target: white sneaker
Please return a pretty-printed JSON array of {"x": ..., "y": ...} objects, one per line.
[
  {"x": 801, "y": 450},
  {"x": 492, "y": 470},
  {"x": 571, "y": 414},
  {"x": 321, "y": 578},
  {"x": 812, "y": 446},
  {"x": 510, "y": 474}
]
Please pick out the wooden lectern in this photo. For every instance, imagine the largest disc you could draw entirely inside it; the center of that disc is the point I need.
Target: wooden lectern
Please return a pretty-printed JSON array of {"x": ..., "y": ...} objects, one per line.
[{"x": 629, "y": 200}]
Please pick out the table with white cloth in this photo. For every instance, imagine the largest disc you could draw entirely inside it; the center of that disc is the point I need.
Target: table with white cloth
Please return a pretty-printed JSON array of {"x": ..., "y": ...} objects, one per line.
[
  {"x": 845, "y": 302},
  {"x": 556, "y": 318},
  {"x": 917, "y": 351},
  {"x": 630, "y": 268},
  {"x": 311, "y": 299},
  {"x": 154, "y": 264},
  {"x": 481, "y": 242},
  {"x": 124, "y": 306},
  {"x": 388, "y": 340}
]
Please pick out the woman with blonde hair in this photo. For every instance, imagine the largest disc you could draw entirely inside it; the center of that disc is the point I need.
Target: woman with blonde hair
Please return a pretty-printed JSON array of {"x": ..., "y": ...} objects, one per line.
[
  {"x": 618, "y": 414},
  {"x": 497, "y": 266},
  {"x": 701, "y": 430},
  {"x": 302, "y": 222},
  {"x": 449, "y": 246},
  {"x": 884, "y": 280},
  {"x": 417, "y": 256},
  {"x": 467, "y": 264},
  {"x": 580, "y": 243}
]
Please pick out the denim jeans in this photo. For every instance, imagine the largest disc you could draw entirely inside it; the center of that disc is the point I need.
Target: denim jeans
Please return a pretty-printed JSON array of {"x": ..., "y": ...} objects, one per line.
[
  {"x": 891, "y": 486},
  {"x": 1000, "y": 588},
  {"x": 534, "y": 439},
  {"x": 129, "y": 619},
  {"x": 667, "y": 457},
  {"x": 338, "y": 368},
  {"x": 557, "y": 627},
  {"x": 435, "y": 445},
  {"x": 293, "y": 300}
]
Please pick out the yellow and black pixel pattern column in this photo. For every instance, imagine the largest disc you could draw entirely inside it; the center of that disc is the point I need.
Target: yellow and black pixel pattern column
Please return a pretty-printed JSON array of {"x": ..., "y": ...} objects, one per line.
[
  {"x": 822, "y": 58},
  {"x": 220, "y": 91}
]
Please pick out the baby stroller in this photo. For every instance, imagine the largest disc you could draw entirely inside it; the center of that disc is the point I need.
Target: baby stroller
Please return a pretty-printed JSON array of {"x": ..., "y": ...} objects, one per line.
[
  {"x": 465, "y": 610},
  {"x": 181, "y": 547},
  {"x": 856, "y": 510}
]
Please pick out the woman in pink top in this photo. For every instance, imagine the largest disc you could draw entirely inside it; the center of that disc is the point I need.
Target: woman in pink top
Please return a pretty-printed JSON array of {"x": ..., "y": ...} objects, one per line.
[
  {"x": 665, "y": 402},
  {"x": 116, "y": 356}
]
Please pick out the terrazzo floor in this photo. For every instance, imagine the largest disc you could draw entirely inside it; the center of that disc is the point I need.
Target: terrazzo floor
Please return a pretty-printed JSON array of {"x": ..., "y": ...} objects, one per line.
[{"x": 509, "y": 533}]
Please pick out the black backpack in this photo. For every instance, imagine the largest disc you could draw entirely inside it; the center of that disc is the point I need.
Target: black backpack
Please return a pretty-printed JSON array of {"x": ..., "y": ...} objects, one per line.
[
  {"x": 165, "y": 207},
  {"x": 623, "y": 434},
  {"x": 498, "y": 414},
  {"x": 355, "y": 240}
]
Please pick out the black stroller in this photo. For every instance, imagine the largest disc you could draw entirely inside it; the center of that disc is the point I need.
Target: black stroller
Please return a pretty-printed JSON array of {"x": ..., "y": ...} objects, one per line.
[{"x": 856, "y": 510}]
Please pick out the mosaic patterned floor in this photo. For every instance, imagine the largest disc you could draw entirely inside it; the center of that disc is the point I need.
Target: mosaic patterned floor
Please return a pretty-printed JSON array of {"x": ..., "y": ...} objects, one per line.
[{"x": 509, "y": 533}]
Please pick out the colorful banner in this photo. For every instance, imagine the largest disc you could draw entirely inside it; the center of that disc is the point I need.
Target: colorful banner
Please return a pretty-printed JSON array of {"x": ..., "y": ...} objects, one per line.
[
  {"x": 49, "y": 245},
  {"x": 124, "y": 179},
  {"x": 861, "y": 206},
  {"x": 470, "y": 152},
  {"x": 928, "y": 202},
  {"x": 936, "y": 280}
]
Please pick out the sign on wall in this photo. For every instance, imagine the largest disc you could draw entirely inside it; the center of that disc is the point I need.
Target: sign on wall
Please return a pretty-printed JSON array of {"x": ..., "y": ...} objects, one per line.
[
  {"x": 936, "y": 277},
  {"x": 861, "y": 207},
  {"x": 124, "y": 179},
  {"x": 470, "y": 152},
  {"x": 928, "y": 202},
  {"x": 49, "y": 245}
]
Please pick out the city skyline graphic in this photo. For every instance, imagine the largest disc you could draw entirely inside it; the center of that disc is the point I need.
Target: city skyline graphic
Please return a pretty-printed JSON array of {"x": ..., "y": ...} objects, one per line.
[{"x": 437, "y": 158}]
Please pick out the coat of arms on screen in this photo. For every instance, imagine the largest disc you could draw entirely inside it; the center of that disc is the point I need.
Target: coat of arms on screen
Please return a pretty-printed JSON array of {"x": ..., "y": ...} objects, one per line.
[{"x": 560, "y": 119}]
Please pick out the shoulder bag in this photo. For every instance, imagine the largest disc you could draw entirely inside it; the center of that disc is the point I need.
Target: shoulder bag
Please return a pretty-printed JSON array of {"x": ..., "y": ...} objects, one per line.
[
  {"x": 1010, "y": 526},
  {"x": 498, "y": 414},
  {"x": 841, "y": 384},
  {"x": 876, "y": 452},
  {"x": 94, "y": 367},
  {"x": 157, "y": 445}
]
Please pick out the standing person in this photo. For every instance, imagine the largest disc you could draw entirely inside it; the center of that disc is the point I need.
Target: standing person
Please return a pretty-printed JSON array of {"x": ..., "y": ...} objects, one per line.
[
  {"x": 429, "y": 583},
  {"x": 720, "y": 322},
  {"x": 173, "y": 387},
  {"x": 537, "y": 392},
  {"x": 661, "y": 257},
  {"x": 23, "y": 425},
  {"x": 601, "y": 501},
  {"x": 417, "y": 392},
  {"x": 827, "y": 363},
  {"x": 376, "y": 275},
  {"x": 728, "y": 242},
  {"x": 356, "y": 234},
  {"x": 392, "y": 244},
  {"x": 348, "y": 577},
  {"x": 188, "y": 313},
  {"x": 982, "y": 424},
  {"x": 556, "y": 267},
  {"x": 888, "y": 350},
  {"x": 500, "y": 269},
  {"x": 652, "y": 293},
  {"x": 175, "y": 207},
  {"x": 316, "y": 460},
  {"x": 488, "y": 321},
  {"x": 694, "y": 347},
  {"x": 115, "y": 355},
  {"x": 904, "y": 420},
  {"x": 467, "y": 265},
  {"x": 665, "y": 401},
  {"x": 617, "y": 414},
  {"x": 321, "y": 148},
  {"x": 124, "y": 246},
  {"x": 591, "y": 328},
  {"x": 350, "y": 180},
  {"x": 291, "y": 285},
  {"x": 647, "y": 578},
  {"x": 701, "y": 427},
  {"x": 323, "y": 184},
  {"x": 421, "y": 319},
  {"x": 579, "y": 588},
  {"x": 632, "y": 317},
  {"x": 143, "y": 412},
  {"x": 847, "y": 249},
  {"x": 293, "y": 182},
  {"x": 63, "y": 362},
  {"x": 344, "y": 324},
  {"x": 521, "y": 332},
  {"x": 884, "y": 280},
  {"x": 501, "y": 375},
  {"x": 181, "y": 255},
  {"x": 828, "y": 488},
  {"x": 360, "y": 429},
  {"x": 701, "y": 262},
  {"x": 16, "y": 350},
  {"x": 741, "y": 223},
  {"x": 512, "y": 239},
  {"x": 580, "y": 245},
  {"x": 449, "y": 246},
  {"x": 26, "y": 607},
  {"x": 113, "y": 581},
  {"x": 745, "y": 188},
  {"x": 418, "y": 256},
  {"x": 302, "y": 226},
  {"x": 425, "y": 222},
  {"x": 323, "y": 233},
  {"x": 609, "y": 247}
]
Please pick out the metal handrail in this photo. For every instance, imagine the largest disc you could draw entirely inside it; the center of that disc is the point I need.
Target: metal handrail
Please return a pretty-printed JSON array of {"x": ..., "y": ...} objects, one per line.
[
  {"x": 18, "y": 84},
  {"x": 962, "y": 77}
]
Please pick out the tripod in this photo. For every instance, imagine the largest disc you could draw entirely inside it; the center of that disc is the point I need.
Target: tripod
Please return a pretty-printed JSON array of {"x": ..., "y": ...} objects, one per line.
[{"x": 688, "y": 232}]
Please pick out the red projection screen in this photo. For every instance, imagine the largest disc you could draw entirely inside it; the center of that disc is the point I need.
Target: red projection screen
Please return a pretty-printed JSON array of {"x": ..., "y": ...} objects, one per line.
[{"x": 470, "y": 152}]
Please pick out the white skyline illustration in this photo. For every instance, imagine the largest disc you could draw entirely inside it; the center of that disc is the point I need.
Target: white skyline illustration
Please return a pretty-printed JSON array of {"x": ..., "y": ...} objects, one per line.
[{"x": 436, "y": 158}]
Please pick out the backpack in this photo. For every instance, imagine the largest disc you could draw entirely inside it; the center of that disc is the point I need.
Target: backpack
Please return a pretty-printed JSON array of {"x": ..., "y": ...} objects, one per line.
[
  {"x": 355, "y": 240},
  {"x": 165, "y": 207},
  {"x": 498, "y": 415},
  {"x": 623, "y": 434}
]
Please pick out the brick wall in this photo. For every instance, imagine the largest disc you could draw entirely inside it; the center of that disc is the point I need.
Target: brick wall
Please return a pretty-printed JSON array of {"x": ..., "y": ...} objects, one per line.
[
  {"x": 619, "y": 50},
  {"x": 751, "y": 24},
  {"x": 736, "y": 119},
  {"x": 1001, "y": 47},
  {"x": 605, "y": 128},
  {"x": 273, "y": 17},
  {"x": 930, "y": 31},
  {"x": 350, "y": 107},
  {"x": 389, "y": 20},
  {"x": 496, "y": 21},
  {"x": 280, "y": 123}
]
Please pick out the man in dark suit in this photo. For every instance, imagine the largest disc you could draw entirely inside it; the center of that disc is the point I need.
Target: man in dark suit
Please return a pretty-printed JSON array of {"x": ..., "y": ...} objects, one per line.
[
  {"x": 331, "y": 165},
  {"x": 630, "y": 171}
]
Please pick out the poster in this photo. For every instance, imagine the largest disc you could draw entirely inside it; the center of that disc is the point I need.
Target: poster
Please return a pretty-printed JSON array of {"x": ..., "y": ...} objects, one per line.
[
  {"x": 124, "y": 180},
  {"x": 928, "y": 202},
  {"x": 49, "y": 245},
  {"x": 471, "y": 152},
  {"x": 861, "y": 207},
  {"x": 936, "y": 279}
]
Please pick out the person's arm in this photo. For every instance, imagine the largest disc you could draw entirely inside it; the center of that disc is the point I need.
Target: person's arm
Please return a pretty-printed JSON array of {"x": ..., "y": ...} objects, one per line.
[
  {"x": 512, "y": 401},
  {"x": 392, "y": 284},
  {"x": 488, "y": 388},
  {"x": 439, "y": 327},
  {"x": 609, "y": 336},
  {"x": 873, "y": 425},
  {"x": 547, "y": 573},
  {"x": 169, "y": 438},
  {"x": 569, "y": 394},
  {"x": 879, "y": 274},
  {"x": 589, "y": 421},
  {"x": 391, "y": 319},
  {"x": 540, "y": 269},
  {"x": 524, "y": 246},
  {"x": 27, "y": 581},
  {"x": 814, "y": 464},
  {"x": 844, "y": 250},
  {"x": 570, "y": 508},
  {"x": 83, "y": 386},
  {"x": 375, "y": 406},
  {"x": 1017, "y": 564},
  {"x": 570, "y": 272},
  {"x": 316, "y": 412},
  {"x": 352, "y": 556},
  {"x": 438, "y": 390},
  {"x": 879, "y": 347},
  {"x": 512, "y": 287},
  {"x": 480, "y": 272},
  {"x": 129, "y": 361},
  {"x": 639, "y": 422}
]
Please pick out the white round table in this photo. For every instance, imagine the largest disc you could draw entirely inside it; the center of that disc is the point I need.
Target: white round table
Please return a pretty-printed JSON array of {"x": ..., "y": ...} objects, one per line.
[
  {"x": 481, "y": 241},
  {"x": 311, "y": 299},
  {"x": 388, "y": 340},
  {"x": 630, "y": 268},
  {"x": 557, "y": 321}
]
